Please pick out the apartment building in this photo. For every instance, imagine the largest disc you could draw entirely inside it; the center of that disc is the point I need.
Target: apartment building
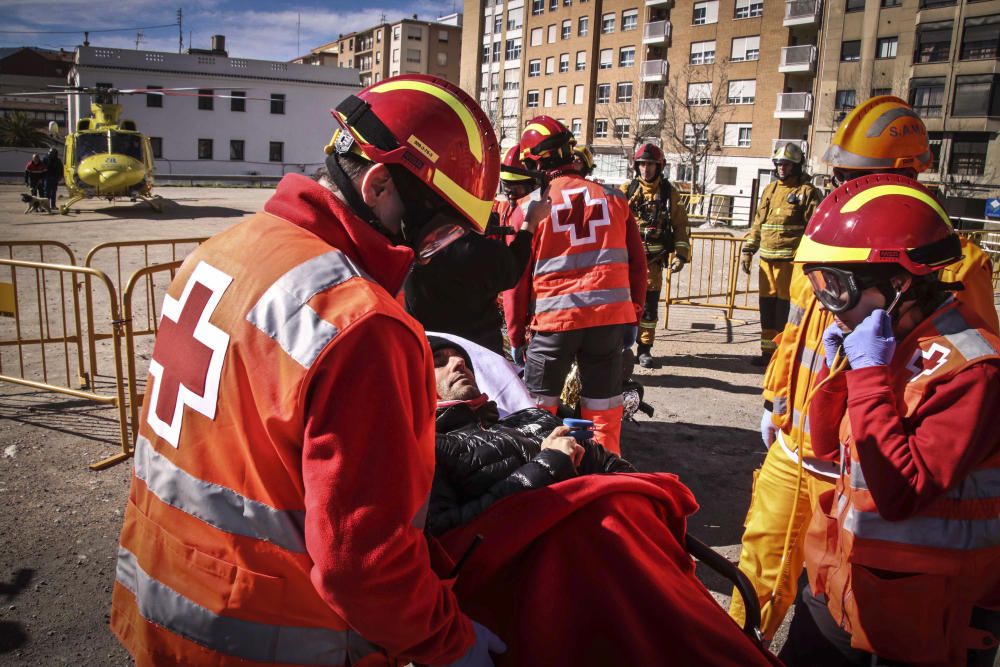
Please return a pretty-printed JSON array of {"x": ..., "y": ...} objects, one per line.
[
  {"x": 406, "y": 46},
  {"x": 943, "y": 56}
]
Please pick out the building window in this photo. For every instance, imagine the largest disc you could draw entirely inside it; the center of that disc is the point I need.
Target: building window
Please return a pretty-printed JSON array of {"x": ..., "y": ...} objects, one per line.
[
  {"x": 855, "y": 5},
  {"x": 725, "y": 175},
  {"x": 685, "y": 174},
  {"x": 498, "y": 24},
  {"x": 626, "y": 56},
  {"x": 846, "y": 100},
  {"x": 486, "y": 55},
  {"x": 706, "y": 12},
  {"x": 622, "y": 127},
  {"x": 536, "y": 36},
  {"x": 415, "y": 33},
  {"x": 699, "y": 94},
  {"x": 205, "y": 100},
  {"x": 578, "y": 94},
  {"x": 552, "y": 34},
  {"x": 696, "y": 133},
  {"x": 879, "y": 92},
  {"x": 742, "y": 91},
  {"x": 277, "y": 103},
  {"x": 547, "y": 97},
  {"x": 886, "y": 47},
  {"x": 442, "y": 60},
  {"x": 537, "y": 7},
  {"x": 933, "y": 42},
  {"x": 934, "y": 143},
  {"x": 550, "y": 65},
  {"x": 581, "y": 60},
  {"x": 513, "y": 49},
  {"x": 532, "y": 99},
  {"x": 737, "y": 134},
  {"x": 608, "y": 23},
  {"x": 745, "y": 48},
  {"x": 702, "y": 53},
  {"x": 977, "y": 95},
  {"x": 623, "y": 92},
  {"x": 395, "y": 33},
  {"x": 968, "y": 153},
  {"x": 154, "y": 100},
  {"x": 576, "y": 126},
  {"x": 514, "y": 21},
  {"x": 563, "y": 62},
  {"x": 156, "y": 146},
  {"x": 583, "y": 26},
  {"x": 442, "y": 34},
  {"x": 850, "y": 51},
  {"x": 606, "y": 59},
  {"x": 534, "y": 68},
  {"x": 236, "y": 149},
  {"x": 603, "y": 93},
  {"x": 928, "y": 4},
  {"x": 601, "y": 128},
  {"x": 746, "y": 9},
  {"x": 567, "y": 29},
  {"x": 630, "y": 19},
  {"x": 561, "y": 95},
  {"x": 927, "y": 96},
  {"x": 892, "y": 3},
  {"x": 276, "y": 151},
  {"x": 981, "y": 38},
  {"x": 204, "y": 149},
  {"x": 553, "y": 5}
]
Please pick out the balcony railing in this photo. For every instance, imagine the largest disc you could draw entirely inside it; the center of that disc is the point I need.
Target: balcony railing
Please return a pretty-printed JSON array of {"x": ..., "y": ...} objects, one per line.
[
  {"x": 802, "y": 12},
  {"x": 798, "y": 59},
  {"x": 794, "y": 105},
  {"x": 650, "y": 109},
  {"x": 656, "y": 32},
  {"x": 802, "y": 143},
  {"x": 655, "y": 71}
]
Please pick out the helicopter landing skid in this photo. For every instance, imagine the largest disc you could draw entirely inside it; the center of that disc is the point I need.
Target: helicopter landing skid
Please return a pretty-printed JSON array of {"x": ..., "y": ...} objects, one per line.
[
  {"x": 65, "y": 208},
  {"x": 155, "y": 202}
]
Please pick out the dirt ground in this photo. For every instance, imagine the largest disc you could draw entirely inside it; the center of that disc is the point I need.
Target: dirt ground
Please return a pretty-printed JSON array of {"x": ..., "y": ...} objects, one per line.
[{"x": 60, "y": 520}]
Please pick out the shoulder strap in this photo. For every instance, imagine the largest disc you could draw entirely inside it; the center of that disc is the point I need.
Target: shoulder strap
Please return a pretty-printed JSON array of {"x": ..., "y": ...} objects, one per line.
[{"x": 632, "y": 187}]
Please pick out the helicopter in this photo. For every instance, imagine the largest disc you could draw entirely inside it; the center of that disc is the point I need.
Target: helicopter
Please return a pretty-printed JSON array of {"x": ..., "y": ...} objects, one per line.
[{"x": 106, "y": 156}]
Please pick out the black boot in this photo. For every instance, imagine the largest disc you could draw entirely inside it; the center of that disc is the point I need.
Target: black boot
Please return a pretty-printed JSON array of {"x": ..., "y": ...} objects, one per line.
[{"x": 646, "y": 359}]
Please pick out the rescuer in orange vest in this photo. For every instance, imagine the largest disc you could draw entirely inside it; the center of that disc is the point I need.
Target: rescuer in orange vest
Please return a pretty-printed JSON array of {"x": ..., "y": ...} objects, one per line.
[
  {"x": 904, "y": 555},
  {"x": 515, "y": 184},
  {"x": 585, "y": 284},
  {"x": 286, "y": 445},
  {"x": 870, "y": 140}
]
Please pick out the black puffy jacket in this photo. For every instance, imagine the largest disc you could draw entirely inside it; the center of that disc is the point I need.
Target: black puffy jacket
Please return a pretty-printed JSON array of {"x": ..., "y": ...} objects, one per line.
[{"x": 480, "y": 460}]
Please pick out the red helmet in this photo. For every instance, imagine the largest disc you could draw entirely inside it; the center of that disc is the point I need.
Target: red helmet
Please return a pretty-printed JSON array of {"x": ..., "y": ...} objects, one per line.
[
  {"x": 433, "y": 129},
  {"x": 881, "y": 219},
  {"x": 649, "y": 153},
  {"x": 512, "y": 169},
  {"x": 544, "y": 138}
]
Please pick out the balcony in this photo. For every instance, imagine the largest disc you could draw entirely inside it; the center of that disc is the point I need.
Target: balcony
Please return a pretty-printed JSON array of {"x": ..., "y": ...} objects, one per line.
[
  {"x": 794, "y": 105},
  {"x": 802, "y": 143},
  {"x": 657, "y": 32},
  {"x": 798, "y": 59},
  {"x": 654, "y": 71},
  {"x": 651, "y": 109},
  {"x": 802, "y": 12}
]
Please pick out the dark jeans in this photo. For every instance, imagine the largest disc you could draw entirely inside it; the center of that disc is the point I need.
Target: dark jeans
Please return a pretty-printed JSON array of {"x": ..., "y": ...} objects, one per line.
[
  {"x": 597, "y": 351},
  {"x": 51, "y": 188}
]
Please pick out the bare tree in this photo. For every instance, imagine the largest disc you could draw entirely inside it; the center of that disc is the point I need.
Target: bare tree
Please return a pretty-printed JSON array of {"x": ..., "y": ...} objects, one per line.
[
  {"x": 630, "y": 121},
  {"x": 695, "y": 109}
]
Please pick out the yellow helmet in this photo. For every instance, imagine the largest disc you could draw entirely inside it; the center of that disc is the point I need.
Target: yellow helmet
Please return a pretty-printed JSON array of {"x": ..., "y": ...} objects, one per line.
[
  {"x": 790, "y": 152},
  {"x": 882, "y": 133},
  {"x": 583, "y": 153}
]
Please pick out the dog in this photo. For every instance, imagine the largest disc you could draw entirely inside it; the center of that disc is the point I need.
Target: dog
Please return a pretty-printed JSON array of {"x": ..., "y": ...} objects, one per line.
[{"x": 36, "y": 204}]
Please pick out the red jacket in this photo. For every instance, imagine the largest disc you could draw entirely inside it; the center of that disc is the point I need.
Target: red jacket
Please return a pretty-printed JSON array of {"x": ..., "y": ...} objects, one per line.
[
  {"x": 280, "y": 487},
  {"x": 605, "y": 229}
]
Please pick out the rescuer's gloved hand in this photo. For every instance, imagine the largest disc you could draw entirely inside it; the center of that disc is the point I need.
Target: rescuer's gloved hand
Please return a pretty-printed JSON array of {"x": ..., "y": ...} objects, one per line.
[
  {"x": 871, "y": 343},
  {"x": 631, "y": 335},
  {"x": 833, "y": 339},
  {"x": 518, "y": 354},
  {"x": 677, "y": 263},
  {"x": 767, "y": 428},
  {"x": 479, "y": 654},
  {"x": 746, "y": 261}
]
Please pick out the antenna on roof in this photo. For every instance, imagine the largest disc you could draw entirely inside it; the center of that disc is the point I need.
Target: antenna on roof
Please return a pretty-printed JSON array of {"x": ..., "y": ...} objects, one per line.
[
  {"x": 180, "y": 30},
  {"x": 298, "y": 33}
]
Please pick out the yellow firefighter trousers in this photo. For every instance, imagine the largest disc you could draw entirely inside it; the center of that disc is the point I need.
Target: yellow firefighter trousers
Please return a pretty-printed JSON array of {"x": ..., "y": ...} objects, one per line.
[
  {"x": 774, "y": 282},
  {"x": 774, "y": 491}
]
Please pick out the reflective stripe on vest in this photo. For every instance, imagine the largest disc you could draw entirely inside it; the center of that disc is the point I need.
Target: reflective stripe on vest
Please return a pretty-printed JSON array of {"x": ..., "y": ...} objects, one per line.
[
  {"x": 795, "y": 314},
  {"x": 602, "y": 403},
  {"x": 979, "y": 485},
  {"x": 599, "y": 297},
  {"x": 808, "y": 358},
  {"x": 925, "y": 531},
  {"x": 780, "y": 405},
  {"x": 216, "y": 505},
  {"x": 283, "y": 314},
  {"x": 583, "y": 260},
  {"x": 160, "y": 604},
  {"x": 969, "y": 342}
]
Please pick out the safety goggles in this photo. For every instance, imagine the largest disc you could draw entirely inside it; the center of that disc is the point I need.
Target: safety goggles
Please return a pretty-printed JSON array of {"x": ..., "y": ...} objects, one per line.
[{"x": 836, "y": 289}]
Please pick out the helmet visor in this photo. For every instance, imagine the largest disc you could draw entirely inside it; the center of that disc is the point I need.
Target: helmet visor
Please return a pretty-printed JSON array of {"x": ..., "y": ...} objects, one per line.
[{"x": 836, "y": 289}]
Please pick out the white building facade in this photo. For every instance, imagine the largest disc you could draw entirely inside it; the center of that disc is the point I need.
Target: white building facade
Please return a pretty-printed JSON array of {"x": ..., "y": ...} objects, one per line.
[{"x": 281, "y": 125}]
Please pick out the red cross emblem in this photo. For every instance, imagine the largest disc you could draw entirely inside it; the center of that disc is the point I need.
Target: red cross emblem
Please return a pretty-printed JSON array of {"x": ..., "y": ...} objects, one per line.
[
  {"x": 581, "y": 220},
  {"x": 188, "y": 354},
  {"x": 926, "y": 362}
]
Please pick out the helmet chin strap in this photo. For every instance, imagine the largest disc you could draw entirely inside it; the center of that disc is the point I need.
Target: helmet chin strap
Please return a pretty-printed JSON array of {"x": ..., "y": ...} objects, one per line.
[{"x": 354, "y": 200}]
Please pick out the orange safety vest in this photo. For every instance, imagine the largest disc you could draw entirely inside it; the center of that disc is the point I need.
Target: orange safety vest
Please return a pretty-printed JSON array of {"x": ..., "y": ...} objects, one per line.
[
  {"x": 212, "y": 565},
  {"x": 905, "y": 589},
  {"x": 580, "y": 261},
  {"x": 799, "y": 357}
]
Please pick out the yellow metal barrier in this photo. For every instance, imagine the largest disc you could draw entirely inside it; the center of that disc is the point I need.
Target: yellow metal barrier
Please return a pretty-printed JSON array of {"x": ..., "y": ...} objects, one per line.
[
  {"x": 42, "y": 330},
  {"x": 712, "y": 279}
]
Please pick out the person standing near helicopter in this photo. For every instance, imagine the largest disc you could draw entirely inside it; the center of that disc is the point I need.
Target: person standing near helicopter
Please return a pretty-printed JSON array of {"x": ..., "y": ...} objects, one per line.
[
  {"x": 34, "y": 175},
  {"x": 53, "y": 172}
]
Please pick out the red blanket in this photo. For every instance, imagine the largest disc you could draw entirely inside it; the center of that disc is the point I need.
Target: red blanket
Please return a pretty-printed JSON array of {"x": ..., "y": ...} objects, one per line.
[{"x": 592, "y": 571}]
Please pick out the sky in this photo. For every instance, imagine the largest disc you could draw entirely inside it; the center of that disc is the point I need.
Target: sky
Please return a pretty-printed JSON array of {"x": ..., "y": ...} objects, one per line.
[{"x": 273, "y": 30}]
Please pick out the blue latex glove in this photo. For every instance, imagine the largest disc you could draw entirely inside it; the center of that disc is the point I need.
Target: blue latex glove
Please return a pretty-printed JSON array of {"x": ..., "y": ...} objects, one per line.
[
  {"x": 631, "y": 335},
  {"x": 767, "y": 428},
  {"x": 479, "y": 654},
  {"x": 833, "y": 339},
  {"x": 871, "y": 343},
  {"x": 518, "y": 354}
]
